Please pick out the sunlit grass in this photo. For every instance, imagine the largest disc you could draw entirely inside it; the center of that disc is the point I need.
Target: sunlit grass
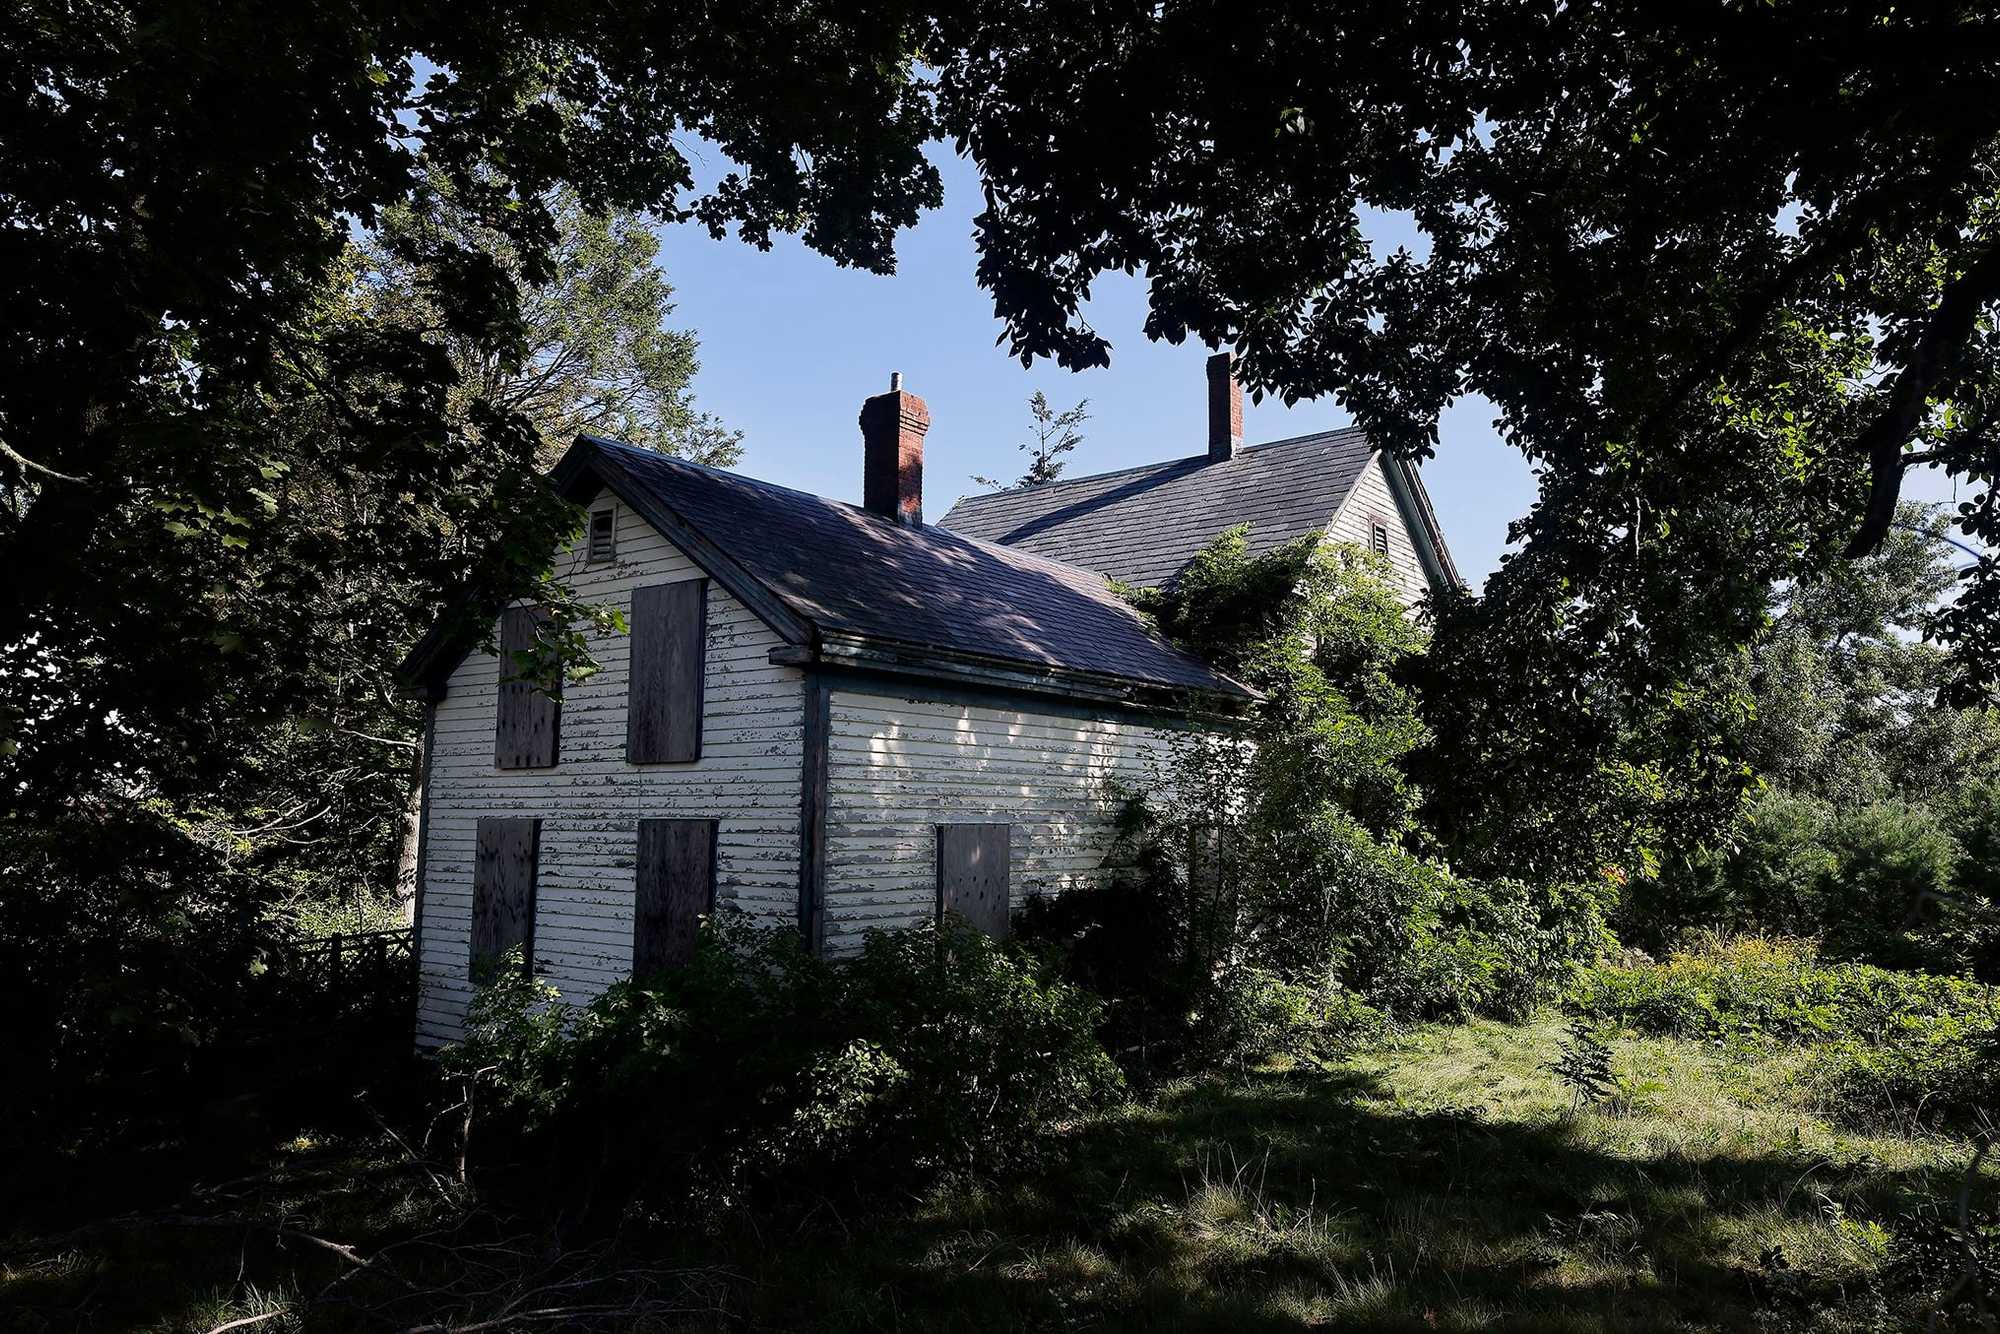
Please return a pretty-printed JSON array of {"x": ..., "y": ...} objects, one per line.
[{"x": 1446, "y": 1181}]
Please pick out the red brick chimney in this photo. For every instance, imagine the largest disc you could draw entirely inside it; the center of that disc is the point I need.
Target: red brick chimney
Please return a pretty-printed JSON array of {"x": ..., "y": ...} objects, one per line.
[
  {"x": 892, "y": 465},
  {"x": 1225, "y": 408}
]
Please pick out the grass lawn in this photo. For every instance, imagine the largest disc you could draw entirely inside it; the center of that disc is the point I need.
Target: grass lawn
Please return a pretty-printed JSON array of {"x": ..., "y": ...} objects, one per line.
[{"x": 1443, "y": 1182}]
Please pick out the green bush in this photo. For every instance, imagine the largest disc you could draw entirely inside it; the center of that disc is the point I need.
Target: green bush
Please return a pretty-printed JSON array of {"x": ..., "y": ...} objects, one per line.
[
  {"x": 934, "y": 1051},
  {"x": 1886, "y": 1043},
  {"x": 1949, "y": 1074},
  {"x": 1888, "y": 883},
  {"x": 1248, "y": 1014},
  {"x": 1893, "y": 871},
  {"x": 1969, "y": 931}
]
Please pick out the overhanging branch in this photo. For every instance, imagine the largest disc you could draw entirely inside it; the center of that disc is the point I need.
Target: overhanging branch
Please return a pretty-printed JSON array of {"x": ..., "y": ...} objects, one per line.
[{"x": 1931, "y": 363}]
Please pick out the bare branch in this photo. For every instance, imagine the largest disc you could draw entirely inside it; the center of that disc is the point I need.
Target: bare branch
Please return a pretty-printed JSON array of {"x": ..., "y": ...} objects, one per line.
[{"x": 26, "y": 464}]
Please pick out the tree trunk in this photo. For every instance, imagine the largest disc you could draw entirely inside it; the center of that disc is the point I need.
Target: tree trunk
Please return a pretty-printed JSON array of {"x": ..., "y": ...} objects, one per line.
[{"x": 406, "y": 856}]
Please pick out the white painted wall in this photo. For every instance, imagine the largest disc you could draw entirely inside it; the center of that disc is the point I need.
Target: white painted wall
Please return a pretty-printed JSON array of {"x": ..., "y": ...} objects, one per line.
[
  {"x": 898, "y": 767},
  {"x": 748, "y": 778},
  {"x": 1371, "y": 495}
]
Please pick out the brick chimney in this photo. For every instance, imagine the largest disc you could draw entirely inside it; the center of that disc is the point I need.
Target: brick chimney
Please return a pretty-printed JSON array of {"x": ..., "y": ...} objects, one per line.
[
  {"x": 1225, "y": 408},
  {"x": 892, "y": 466}
]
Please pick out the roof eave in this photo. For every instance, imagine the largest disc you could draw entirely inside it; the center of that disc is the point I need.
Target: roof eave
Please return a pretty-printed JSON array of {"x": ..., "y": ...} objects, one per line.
[
  {"x": 1407, "y": 485},
  {"x": 850, "y": 652}
]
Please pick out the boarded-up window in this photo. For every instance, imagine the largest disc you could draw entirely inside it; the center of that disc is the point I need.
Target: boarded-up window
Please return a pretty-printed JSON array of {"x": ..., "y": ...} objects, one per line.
[
  {"x": 603, "y": 536},
  {"x": 669, "y": 636},
  {"x": 675, "y": 886},
  {"x": 527, "y": 729},
  {"x": 972, "y": 875},
  {"x": 503, "y": 891}
]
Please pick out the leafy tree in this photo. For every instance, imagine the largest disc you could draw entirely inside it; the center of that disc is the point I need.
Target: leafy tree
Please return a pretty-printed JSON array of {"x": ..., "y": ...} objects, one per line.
[
  {"x": 1056, "y": 434},
  {"x": 1636, "y": 222},
  {"x": 146, "y": 849},
  {"x": 1725, "y": 277},
  {"x": 598, "y": 356},
  {"x": 1630, "y": 215},
  {"x": 1848, "y": 696}
]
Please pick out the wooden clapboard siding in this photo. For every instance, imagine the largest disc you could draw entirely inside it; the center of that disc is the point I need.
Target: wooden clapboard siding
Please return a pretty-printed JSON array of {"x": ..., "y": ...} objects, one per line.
[
  {"x": 527, "y": 720},
  {"x": 1371, "y": 497},
  {"x": 675, "y": 883},
  {"x": 899, "y": 767},
  {"x": 590, "y": 804},
  {"x": 973, "y": 876}
]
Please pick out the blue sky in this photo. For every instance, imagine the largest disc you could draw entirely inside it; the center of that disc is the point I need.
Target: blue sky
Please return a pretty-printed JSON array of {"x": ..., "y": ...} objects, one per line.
[{"x": 791, "y": 344}]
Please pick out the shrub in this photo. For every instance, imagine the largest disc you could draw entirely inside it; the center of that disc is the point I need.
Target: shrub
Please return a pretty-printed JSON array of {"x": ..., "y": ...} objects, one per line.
[
  {"x": 1886, "y": 1043},
  {"x": 1893, "y": 869},
  {"x": 1949, "y": 1073},
  {"x": 1969, "y": 932},
  {"x": 1887, "y": 883},
  {"x": 935, "y": 1051}
]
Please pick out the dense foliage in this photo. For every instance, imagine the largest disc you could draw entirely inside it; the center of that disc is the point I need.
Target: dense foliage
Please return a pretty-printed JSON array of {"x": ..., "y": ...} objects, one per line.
[
  {"x": 1282, "y": 894},
  {"x": 160, "y": 844},
  {"x": 1884, "y": 1043},
  {"x": 1870, "y": 825},
  {"x": 758, "y": 1067}
]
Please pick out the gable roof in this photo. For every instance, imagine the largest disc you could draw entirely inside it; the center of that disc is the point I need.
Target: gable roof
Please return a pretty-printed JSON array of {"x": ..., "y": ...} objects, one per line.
[
  {"x": 1143, "y": 525},
  {"x": 848, "y": 587}
]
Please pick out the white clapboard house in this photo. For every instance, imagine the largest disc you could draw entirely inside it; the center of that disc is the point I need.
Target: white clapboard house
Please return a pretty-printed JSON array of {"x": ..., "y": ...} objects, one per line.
[{"x": 834, "y": 715}]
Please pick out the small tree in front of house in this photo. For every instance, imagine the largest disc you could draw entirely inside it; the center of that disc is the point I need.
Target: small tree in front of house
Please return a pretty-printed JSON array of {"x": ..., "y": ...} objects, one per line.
[{"x": 1291, "y": 844}]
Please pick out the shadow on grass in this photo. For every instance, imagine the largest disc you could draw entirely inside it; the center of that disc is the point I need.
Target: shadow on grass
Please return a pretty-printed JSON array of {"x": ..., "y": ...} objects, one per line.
[
  {"x": 1286, "y": 1202},
  {"x": 1258, "y": 1202}
]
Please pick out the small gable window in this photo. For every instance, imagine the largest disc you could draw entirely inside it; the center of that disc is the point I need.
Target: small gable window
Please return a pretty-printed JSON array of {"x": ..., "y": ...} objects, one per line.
[
  {"x": 669, "y": 643},
  {"x": 1378, "y": 537},
  {"x": 603, "y": 536}
]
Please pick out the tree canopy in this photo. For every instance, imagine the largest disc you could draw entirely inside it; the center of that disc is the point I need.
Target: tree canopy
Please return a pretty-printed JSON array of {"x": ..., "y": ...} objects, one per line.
[{"x": 1645, "y": 229}]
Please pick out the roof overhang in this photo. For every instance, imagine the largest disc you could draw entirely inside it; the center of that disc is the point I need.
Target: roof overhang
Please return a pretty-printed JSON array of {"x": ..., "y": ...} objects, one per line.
[
  {"x": 838, "y": 652},
  {"x": 1411, "y": 497}
]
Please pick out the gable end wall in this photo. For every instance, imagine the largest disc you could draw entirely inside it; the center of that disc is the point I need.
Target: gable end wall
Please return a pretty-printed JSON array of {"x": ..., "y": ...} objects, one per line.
[
  {"x": 1371, "y": 496},
  {"x": 590, "y": 804}
]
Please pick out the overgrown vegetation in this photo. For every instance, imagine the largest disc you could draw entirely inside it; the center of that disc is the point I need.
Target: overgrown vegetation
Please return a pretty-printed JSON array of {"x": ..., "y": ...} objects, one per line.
[
  {"x": 935, "y": 1051},
  {"x": 1283, "y": 895},
  {"x": 1876, "y": 820},
  {"x": 1886, "y": 1045},
  {"x": 1444, "y": 1180},
  {"x": 260, "y": 783}
]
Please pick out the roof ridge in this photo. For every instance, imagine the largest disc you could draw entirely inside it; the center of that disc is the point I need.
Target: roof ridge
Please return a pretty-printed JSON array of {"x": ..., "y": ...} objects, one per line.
[
  {"x": 1016, "y": 554},
  {"x": 1044, "y": 487}
]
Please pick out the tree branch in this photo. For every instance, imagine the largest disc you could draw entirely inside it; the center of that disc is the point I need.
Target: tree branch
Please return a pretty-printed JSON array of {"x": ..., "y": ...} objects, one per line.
[
  {"x": 1931, "y": 362},
  {"x": 26, "y": 464}
]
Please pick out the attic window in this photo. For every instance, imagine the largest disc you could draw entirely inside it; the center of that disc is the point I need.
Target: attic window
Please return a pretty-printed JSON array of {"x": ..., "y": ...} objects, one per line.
[
  {"x": 603, "y": 536},
  {"x": 1378, "y": 538}
]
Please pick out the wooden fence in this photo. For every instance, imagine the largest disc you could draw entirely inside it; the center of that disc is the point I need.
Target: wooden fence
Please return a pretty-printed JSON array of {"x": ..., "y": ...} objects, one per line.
[{"x": 353, "y": 959}]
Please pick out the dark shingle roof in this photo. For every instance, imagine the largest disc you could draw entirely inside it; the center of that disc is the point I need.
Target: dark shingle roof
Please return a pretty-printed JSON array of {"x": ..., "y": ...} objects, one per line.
[
  {"x": 845, "y": 570},
  {"x": 1142, "y": 525}
]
